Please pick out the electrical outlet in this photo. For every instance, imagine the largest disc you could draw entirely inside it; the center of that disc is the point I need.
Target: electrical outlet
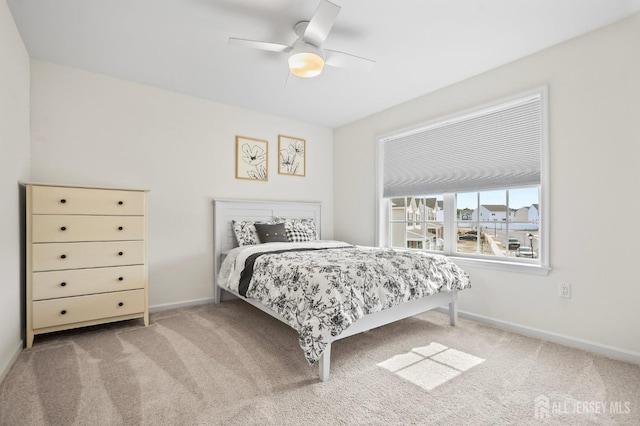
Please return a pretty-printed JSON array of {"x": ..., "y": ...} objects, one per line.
[{"x": 564, "y": 290}]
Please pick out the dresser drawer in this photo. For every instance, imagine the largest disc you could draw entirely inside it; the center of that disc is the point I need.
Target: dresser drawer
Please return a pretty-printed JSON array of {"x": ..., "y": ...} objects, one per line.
[
  {"x": 58, "y": 256},
  {"x": 63, "y": 200},
  {"x": 77, "y": 282},
  {"x": 61, "y": 228},
  {"x": 53, "y": 312}
]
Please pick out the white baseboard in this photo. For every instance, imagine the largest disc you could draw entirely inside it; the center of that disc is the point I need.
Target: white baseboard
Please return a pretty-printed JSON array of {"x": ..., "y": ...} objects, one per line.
[
  {"x": 8, "y": 365},
  {"x": 167, "y": 306},
  {"x": 573, "y": 342}
]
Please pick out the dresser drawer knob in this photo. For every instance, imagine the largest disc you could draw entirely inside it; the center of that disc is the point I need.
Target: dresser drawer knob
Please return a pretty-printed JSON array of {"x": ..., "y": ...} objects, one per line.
[
  {"x": 120, "y": 203},
  {"x": 120, "y": 278},
  {"x": 120, "y": 228},
  {"x": 63, "y": 201},
  {"x": 120, "y": 253},
  {"x": 63, "y": 312},
  {"x": 64, "y": 228},
  {"x": 63, "y": 284},
  {"x": 120, "y": 304},
  {"x": 64, "y": 256}
]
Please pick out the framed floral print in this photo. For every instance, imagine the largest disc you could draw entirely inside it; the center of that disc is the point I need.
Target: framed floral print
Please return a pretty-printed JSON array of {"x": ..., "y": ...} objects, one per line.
[
  {"x": 292, "y": 156},
  {"x": 252, "y": 157}
]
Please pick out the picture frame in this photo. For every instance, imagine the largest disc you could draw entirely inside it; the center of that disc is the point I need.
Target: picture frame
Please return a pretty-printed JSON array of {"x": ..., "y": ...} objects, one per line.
[
  {"x": 252, "y": 159},
  {"x": 292, "y": 156}
]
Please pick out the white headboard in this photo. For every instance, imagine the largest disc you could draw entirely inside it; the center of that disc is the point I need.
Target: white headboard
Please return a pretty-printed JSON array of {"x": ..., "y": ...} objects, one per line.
[{"x": 225, "y": 211}]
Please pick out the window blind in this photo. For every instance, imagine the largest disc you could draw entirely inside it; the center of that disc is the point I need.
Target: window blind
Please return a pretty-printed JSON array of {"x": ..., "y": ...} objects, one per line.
[{"x": 490, "y": 148}]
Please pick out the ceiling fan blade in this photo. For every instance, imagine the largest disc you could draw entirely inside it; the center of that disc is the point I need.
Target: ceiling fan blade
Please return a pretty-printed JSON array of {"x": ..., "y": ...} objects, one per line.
[
  {"x": 346, "y": 60},
  {"x": 321, "y": 23},
  {"x": 262, "y": 45}
]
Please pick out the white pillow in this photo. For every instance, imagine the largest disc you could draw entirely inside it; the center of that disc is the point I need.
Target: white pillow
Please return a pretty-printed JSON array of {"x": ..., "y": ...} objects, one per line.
[{"x": 245, "y": 231}]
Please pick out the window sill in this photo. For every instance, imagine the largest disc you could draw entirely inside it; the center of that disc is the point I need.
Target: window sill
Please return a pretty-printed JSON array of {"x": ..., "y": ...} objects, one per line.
[{"x": 520, "y": 268}]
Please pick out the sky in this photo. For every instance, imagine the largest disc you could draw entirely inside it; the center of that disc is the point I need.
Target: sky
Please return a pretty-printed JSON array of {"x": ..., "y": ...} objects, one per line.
[{"x": 518, "y": 198}]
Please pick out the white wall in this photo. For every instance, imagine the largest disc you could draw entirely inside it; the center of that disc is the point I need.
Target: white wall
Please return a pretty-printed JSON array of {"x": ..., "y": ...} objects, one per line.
[
  {"x": 94, "y": 130},
  {"x": 14, "y": 167},
  {"x": 594, "y": 91}
]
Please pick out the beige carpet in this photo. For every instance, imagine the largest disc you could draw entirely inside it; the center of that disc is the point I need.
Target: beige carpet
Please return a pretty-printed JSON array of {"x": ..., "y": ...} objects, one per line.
[{"x": 230, "y": 364}]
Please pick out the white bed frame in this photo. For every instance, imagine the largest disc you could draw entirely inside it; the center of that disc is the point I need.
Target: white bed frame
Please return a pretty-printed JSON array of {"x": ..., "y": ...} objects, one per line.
[{"x": 224, "y": 211}]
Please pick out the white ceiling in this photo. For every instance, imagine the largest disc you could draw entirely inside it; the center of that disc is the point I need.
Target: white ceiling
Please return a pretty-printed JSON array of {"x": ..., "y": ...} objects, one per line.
[{"x": 419, "y": 45}]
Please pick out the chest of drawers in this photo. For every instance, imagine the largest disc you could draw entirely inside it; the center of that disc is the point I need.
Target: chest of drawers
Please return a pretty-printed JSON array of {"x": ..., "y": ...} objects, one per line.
[{"x": 86, "y": 257}]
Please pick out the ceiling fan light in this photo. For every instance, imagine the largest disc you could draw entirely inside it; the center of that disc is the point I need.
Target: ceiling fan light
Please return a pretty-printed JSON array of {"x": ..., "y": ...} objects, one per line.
[{"x": 306, "y": 61}]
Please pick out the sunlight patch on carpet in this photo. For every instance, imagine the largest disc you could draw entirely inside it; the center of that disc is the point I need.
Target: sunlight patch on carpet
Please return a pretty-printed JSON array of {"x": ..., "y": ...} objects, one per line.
[{"x": 430, "y": 366}]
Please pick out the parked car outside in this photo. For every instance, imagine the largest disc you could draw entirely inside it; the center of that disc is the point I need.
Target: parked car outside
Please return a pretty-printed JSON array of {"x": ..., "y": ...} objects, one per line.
[
  {"x": 514, "y": 244},
  {"x": 525, "y": 252},
  {"x": 468, "y": 236}
]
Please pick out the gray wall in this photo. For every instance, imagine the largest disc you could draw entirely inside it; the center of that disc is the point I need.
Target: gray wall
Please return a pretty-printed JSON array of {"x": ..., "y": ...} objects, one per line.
[
  {"x": 594, "y": 93},
  {"x": 14, "y": 167},
  {"x": 90, "y": 129}
]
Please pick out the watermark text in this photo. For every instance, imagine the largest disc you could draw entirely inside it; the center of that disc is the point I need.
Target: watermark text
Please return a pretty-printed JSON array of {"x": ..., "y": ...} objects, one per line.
[{"x": 544, "y": 407}]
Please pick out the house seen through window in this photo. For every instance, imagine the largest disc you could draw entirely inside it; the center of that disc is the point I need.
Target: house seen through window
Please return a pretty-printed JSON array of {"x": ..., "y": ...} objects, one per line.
[{"x": 500, "y": 223}]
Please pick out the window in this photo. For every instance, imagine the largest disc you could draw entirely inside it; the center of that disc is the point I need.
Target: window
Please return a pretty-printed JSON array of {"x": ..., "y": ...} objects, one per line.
[
  {"x": 502, "y": 223},
  {"x": 469, "y": 185},
  {"x": 417, "y": 222},
  {"x": 499, "y": 223}
]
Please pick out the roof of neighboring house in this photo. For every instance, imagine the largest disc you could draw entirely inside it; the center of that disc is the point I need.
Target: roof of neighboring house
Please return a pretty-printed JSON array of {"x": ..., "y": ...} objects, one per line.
[
  {"x": 495, "y": 207},
  {"x": 429, "y": 202},
  {"x": 397, "y": 202}
]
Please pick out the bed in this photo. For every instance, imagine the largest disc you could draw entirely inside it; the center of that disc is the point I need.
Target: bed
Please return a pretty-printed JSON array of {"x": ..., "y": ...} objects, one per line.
[{"x": 248, "y": 273}]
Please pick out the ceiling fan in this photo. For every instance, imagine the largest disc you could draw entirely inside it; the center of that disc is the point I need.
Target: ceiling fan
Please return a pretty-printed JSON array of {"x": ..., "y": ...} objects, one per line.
[{"x": 306, "y": 57}]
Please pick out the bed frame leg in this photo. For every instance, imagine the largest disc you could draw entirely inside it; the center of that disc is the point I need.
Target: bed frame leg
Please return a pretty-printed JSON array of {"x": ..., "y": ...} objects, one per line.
[
  {"x": 453, "y": 309},
  {"x": 217, "y": 293},
  {"x": 324, "y": 363}
]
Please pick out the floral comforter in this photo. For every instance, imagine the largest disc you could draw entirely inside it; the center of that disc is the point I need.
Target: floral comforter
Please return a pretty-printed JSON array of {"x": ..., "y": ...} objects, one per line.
[{"x": 322, "y": 287}]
